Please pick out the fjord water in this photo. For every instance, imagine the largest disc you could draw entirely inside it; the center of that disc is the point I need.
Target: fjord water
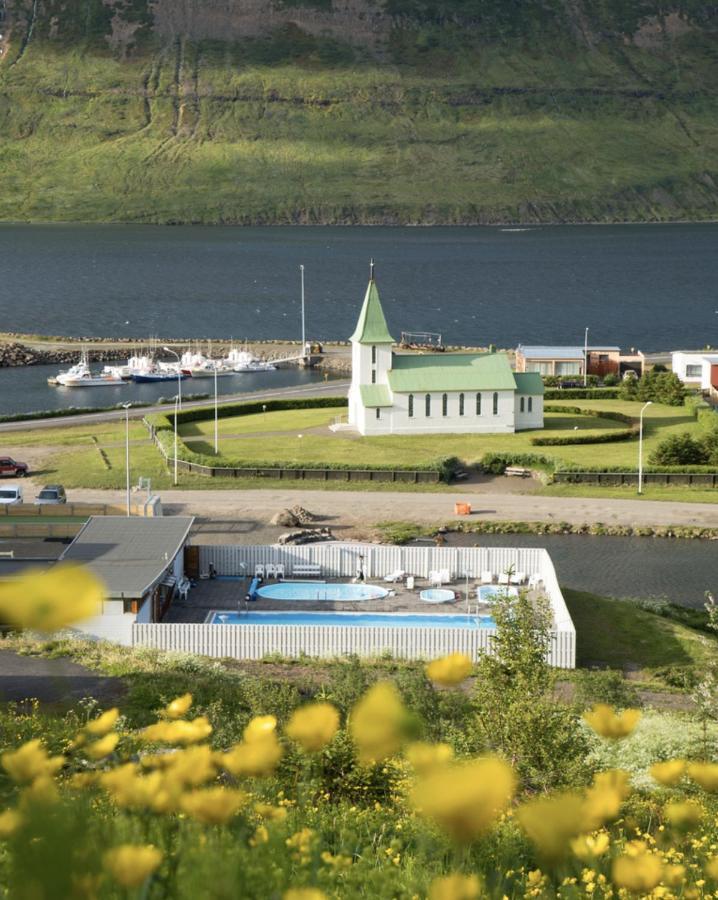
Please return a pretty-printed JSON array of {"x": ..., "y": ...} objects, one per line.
[{"x": 654, "y": 287}]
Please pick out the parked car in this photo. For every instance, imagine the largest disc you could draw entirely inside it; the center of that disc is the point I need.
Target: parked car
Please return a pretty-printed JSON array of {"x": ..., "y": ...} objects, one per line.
[
  {"x": 51, "y": 494},
  {"x": 11, "y": 467},
  {"x": 9, "y": 496}
]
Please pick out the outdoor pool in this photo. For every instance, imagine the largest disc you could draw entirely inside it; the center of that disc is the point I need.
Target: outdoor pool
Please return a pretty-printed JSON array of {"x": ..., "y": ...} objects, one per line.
[
  {"x": 354, "y": 620},
  {"x": 489, "y": 592},
  {"x": 320, "y": 590}
]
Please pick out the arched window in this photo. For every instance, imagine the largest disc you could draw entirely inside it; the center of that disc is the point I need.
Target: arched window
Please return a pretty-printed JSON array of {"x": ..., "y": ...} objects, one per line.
[
  {"x": 461, "y": 404},
  {"x": 373, "y": 376},
  {"x": 478, "y": 404},
  {"x": 411, "y": 406},
  {"x": 427, "y": 403},
  {"x": 373, "y": 355},
  {"x": 445, "y": 405},
  {"x": 496, "y": 403},
  {"x": 531, "y": 404},
  {"x": 523, "y": 404},
  {"x": 378, "y": 413}
]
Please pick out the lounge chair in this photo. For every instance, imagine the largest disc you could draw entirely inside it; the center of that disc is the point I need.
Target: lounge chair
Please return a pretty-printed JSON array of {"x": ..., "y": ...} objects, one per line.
[
  {"x": 395, "y": 576},
  {"x": 518, "y": 578},
  {"x": 445, "y": 576},
  {"x": 435, "y": 579},
  {"x": 487, "y": 577},
  {"x": 504, "y": 578},
  {"x": 534, "y": 582}
]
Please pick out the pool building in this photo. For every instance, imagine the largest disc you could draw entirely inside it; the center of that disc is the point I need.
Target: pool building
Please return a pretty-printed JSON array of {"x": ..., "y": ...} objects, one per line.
[{"x": 414, "y": 602}]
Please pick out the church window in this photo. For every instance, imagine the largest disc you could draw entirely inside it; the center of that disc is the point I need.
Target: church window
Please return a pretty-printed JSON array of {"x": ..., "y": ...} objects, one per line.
[
  {"x": 411, "y": 406},
  {"x": 373, "y": 355},
  {"x": 373, "y": 376},
  {"x": 531, "y": 404},
  {"x": 496, "y": 403},
  {"x": 427, "y": 404},
  {"x": 523, "y": 403},
  {"x": 461, "y": 404},
  {"x": 445, "y": 405},
  {"x": 478, "y": 404},
  {"x": 378, "y": 413}
]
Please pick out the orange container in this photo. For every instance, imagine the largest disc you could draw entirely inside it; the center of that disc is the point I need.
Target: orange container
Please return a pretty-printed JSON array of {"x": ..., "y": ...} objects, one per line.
[{"x": 462, "y": 509}]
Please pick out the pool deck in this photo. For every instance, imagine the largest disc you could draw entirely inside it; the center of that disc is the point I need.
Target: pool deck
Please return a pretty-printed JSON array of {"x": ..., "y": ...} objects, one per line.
[{"x": 229, "y": 595}]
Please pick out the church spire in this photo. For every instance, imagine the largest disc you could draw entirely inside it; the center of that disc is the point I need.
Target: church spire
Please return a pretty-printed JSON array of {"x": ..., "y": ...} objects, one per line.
[{"x": 371, "y": 327}]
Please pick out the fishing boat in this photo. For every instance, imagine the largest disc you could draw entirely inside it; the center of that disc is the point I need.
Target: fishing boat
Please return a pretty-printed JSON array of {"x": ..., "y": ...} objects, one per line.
[
  {"x": 158, "y": 374},
  {"x": 199, "y": 366},
  {"x": 244, "y": 361},
  {"x": 80, "y": 375}
]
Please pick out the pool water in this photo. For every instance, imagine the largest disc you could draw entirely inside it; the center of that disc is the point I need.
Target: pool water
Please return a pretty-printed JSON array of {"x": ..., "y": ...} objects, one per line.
[
  {"x": 355, "y": 620},
  {"x": 489, "y": 592},
  {"x": 321, "y": 590}
]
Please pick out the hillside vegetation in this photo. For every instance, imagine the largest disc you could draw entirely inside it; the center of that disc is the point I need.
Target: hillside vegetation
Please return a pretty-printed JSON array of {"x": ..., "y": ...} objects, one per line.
[{"x": 342, "y": 111}]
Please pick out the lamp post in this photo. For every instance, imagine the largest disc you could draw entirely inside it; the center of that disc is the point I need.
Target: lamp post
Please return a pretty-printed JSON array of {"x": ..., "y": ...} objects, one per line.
[
  {"x": 304, "y": 337},
  {"x": 216, "y": 433},
  {"x": 640, "y": 446},
  {"x": 585, "y": 357},
  {"x": 175, "y": 454},
  {"x": 126, "y": 407},
  {"x": 179, "y": 373}
]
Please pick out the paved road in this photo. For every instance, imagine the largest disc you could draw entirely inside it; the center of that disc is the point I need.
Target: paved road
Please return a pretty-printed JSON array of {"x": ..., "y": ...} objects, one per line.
[
  {"x": 365, "y": 507},
  {"x": 329, "y": 388}
]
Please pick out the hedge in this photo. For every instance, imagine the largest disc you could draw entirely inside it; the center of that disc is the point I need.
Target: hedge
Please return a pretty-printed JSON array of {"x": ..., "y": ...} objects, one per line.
[
  {"x": 228, "y": 410},
  {"x": 496, "y": 463},
  {"x": 582, "y": 394},
  {"x": 608, "y": 437}
]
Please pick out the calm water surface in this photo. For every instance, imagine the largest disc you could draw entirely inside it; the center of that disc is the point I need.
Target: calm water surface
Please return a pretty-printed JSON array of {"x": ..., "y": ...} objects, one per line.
[{"x": 652, "y": 287}]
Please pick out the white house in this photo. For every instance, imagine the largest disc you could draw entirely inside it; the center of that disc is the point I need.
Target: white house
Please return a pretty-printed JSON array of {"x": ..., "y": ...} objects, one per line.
[
  {"x": 699, "y": 369},
  {"x": 430, "y": 393}
]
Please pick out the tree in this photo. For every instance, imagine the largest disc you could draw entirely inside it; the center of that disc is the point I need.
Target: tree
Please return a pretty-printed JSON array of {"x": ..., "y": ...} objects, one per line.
[
  {"x": 657, "y": 386},
  {"x": 516, "y": 714},
  {"x": 679, "y": 450},
  {"x": 709, "y": 442}
]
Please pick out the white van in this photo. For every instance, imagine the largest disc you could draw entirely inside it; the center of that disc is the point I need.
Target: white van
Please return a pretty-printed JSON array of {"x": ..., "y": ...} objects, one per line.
[{"x": 10, "y": 495}]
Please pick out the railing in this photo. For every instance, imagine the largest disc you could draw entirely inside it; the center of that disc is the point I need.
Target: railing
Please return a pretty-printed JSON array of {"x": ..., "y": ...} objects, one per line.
[{"x": 703, "y": 479}]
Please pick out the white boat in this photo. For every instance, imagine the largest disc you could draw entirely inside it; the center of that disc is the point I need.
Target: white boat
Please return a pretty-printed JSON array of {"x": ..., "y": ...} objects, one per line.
[
  {"x": 135, "y": 365},
  {"x": 80, "y": 375},
  {"x": 199, "y": 366},
  {"x": 244, "y": 361}
]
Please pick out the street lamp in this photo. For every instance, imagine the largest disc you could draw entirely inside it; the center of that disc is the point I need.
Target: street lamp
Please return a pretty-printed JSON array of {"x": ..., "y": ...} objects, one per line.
[
  {"x": 640, "y": 446},
  {"x": 585, "y": 357},
  {"x": 176, "y": 404},
  {"x": 126, "y": 407},
  {"x": 179, "y": 372},
  {"x": 304, "y": 337},
  {"x": 216, "y": 434}
]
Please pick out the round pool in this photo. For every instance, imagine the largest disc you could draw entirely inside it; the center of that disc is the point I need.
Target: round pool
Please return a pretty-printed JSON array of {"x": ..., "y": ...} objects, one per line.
[
  {"x": 320, "y": 590},
  {"x": 437, "y": 595}
]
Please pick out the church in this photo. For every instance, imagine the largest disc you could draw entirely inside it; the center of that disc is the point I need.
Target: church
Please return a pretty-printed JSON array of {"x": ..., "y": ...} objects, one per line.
[{"x": 434, "y": 393}]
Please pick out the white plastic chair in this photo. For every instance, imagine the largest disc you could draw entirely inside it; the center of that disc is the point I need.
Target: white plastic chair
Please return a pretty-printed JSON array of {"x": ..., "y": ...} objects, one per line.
[
  {"x": 435, "y": 579},
  {"x": 504, "y": 578},
  {"x": 259, "y": 571},
  {"x": 395, "y": 576},
  {"x": 534, "y": 582},
  {"x": 487, "y": 577},
  {"x": 518, "y": 578},
  {"x": 445, "y": 575},
  {"x": 271, "y": 570},
  {"x": 279, "y": 570}
]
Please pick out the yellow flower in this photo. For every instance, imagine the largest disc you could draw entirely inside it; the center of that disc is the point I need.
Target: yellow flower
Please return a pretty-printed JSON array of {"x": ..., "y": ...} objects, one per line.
[
  {"x": 637, "y": 870},
  {"x": 270, "y": 813},
  {"x": 674, "y": 875},
  {"x": 30, "y": 761},
  {"x": 177, "y": 732},
  {"x": 618, "y": 780},
  {"x": 313, "y": 726},
  {"x": 668, "y": 773},
  {"x": 103, "y": 747},
  {"x": 465, "y": 798},
  {"x": 10, "y": 821},
  {"x": 42, "y": 792},
  {"x": 587, "y": 847},
  {"x": 449, "y": 670},
  {"x": 260, "y": 836},
  {"x": 259, "y": 728},
  {"x": 255, "y": 758},
  {"x": 552, "y": 822},
  {"x": 711, "y": 868},
  {"x": 424, "y": 757},
  {"x": 132, "y": 791},
  {"x": 684, "y": 815},
  {"x": 606, "y": 722},
  {"x": 705, "y": 774},
  {"x": 178, "y": 707},
  {"x": 377, "y": 723},
  {"x": 103, "y": 724},
  {"x": 132, "y": 864},
  {"x": 51, "y": 600},
  {"x": 190, "y": 767},
  {"x": 455, "y": 887},
  {"x": 301, "y": 843},
  {"x": 213, "y": 806},
  {"x": 304, "y": 894}
]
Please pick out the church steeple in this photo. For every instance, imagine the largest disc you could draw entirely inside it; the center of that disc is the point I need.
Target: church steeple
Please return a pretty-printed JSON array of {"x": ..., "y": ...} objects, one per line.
[{"x": 371, "y": 327}]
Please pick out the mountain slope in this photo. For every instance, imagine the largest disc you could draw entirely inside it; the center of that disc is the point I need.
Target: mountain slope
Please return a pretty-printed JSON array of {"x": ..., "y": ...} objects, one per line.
[{"x": 398, "y": 111}]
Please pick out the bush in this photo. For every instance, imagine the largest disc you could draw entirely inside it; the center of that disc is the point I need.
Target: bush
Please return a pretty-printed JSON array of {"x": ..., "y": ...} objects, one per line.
[
  {"x": 608, "y": 437},
  {"x": 610, "y": 380},
  {"x": 496, "y": 463},
  {"x": 607, "y": 686},
  {"x": 604, "y": 393},
  {"x": 658, "y": 387},
  {"x": 679, "y": 450}
]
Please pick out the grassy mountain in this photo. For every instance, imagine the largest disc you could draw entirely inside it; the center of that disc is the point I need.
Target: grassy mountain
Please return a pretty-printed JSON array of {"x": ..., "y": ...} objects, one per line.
[{"x": 345, "y": 111}]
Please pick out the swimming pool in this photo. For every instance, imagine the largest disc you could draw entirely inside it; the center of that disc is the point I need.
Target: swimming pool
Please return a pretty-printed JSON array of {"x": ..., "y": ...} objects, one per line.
[
  {"x": 489, "y": 592},
  {"x": 355, "y": 620},
  {"x": 321, "y": 590}
]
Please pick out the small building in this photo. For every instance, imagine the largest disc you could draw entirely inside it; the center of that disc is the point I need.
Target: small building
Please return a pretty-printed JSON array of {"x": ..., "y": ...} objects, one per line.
[
  {"x": 569, "y": 361},
  {"x": 697, "y": 369},
  {"x": 432, "y": 393},
  {"x": 140, "y": 561}
]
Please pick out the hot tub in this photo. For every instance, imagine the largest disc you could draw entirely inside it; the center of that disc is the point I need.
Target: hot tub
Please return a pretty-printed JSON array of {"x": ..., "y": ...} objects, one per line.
[{"x": 437, "y": 595}]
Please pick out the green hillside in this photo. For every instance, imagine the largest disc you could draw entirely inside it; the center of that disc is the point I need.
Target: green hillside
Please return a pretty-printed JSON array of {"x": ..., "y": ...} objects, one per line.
[{"x": 342, "y": 111}]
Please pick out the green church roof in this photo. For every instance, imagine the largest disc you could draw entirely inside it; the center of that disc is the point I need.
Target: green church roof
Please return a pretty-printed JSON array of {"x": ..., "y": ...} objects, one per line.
[
  {"x": 371, "y": 327},
  {"x": 529, "y": 383},
  {"x": 375, "y": 395},
  {"x": 451, "y": 372}
]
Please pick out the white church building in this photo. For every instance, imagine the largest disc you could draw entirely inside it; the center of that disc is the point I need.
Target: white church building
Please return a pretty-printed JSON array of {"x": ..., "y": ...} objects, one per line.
[{"x": 434, "y": 392}]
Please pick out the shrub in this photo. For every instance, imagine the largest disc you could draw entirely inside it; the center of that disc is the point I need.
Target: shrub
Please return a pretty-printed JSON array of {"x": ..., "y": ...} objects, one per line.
[
  {"x": 679, "y": 450},
  {"x": 610, "y": 380},
  {"x": 658, "y": 387},
  {"x": 607, "y": 686},
  {"x": 597, "y": 393}
]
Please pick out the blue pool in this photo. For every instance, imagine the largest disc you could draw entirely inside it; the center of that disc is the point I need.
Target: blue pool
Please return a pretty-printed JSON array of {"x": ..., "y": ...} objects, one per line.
[
  {"x": 320, "y": 590},
  {"x": 488, "y": 592},
  {"x": 359, "y": 620}
]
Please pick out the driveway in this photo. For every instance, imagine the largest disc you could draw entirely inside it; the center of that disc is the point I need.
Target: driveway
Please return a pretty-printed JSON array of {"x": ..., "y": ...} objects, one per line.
[{"x": 53, "y": 681}]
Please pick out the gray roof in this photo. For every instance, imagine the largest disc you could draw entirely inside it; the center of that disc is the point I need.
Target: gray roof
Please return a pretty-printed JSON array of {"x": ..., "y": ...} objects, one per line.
[
  {"x": 551, "y": 352},
  {"x": 129, "y": 554}
]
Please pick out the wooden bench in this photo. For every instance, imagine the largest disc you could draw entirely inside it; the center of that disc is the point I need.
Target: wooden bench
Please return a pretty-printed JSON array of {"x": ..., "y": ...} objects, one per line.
[
  {"x": 306, "y": 570},
  {"x": 517, "y": 471}
]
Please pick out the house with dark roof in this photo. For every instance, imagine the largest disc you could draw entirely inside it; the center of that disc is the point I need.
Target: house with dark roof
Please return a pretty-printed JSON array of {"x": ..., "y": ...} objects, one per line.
[{"x": 430, "y": 393}]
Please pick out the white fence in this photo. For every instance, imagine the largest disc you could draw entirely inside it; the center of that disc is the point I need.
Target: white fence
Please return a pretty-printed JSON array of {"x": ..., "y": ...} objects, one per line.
[{"x": 341, "y": 560}]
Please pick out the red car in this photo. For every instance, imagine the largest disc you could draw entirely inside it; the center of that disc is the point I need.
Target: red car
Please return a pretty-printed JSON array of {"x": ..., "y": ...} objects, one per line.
[{"x": 11, "y": 467}]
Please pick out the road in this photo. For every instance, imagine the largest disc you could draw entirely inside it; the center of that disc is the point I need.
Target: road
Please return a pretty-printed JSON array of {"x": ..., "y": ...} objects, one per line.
[
  {"x": 329, "y": 388},
  {"x": 358, "y": 508}
]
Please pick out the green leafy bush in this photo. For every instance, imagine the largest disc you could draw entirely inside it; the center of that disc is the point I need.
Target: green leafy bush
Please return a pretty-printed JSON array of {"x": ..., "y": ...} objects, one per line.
[
  {"x": 603, "y": 686},
  {"x": 679, "y": 450},
  {"x": 658, "y": 387}
]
